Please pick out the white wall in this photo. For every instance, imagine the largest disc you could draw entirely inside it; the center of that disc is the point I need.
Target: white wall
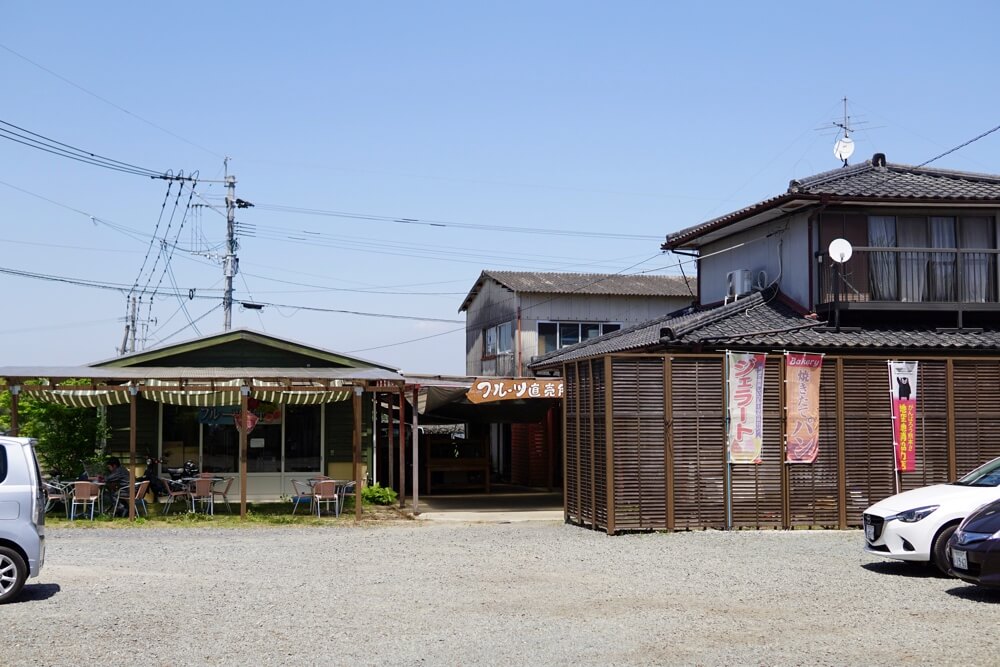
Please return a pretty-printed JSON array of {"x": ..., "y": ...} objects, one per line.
[{"x": 760, "y": 252}]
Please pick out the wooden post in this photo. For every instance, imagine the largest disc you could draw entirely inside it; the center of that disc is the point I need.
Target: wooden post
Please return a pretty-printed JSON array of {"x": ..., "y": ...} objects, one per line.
[
  {"x": 244, "y": 392},
  {"x": 668, "y": 440},
  {"x": 415, "y": 439},
  {"x": 402, "y": 447},
  {"x": 841, "y": 448},
  {"x": 391, "y": 462},
  {"x": 15, "y": 392},
  {"x": 786, "y": 491},
  {"x": 950, "y": 419},
  {"x": 609, "y": 440},
  {"x": 132, "y": 400},
  {"x": 356, "y": 459}
]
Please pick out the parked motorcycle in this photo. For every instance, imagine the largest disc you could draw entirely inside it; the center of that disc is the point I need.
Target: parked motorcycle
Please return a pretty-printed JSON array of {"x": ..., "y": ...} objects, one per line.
[
  {"x": 188, "y": 470},
  {"x": 157, "y": 486}
]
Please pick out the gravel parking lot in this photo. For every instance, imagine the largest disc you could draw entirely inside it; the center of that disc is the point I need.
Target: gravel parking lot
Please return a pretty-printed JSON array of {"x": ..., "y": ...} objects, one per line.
[{"x": 470, "y": 594}]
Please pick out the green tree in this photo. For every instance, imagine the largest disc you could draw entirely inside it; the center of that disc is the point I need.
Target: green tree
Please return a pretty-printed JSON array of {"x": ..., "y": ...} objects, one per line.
[{"x": 68, "y": 438}]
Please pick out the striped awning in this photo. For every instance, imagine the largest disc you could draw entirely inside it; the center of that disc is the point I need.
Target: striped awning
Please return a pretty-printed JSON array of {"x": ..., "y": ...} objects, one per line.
[
  {"x": 196, "y": 394},
  {"x": 201, "y": 394},
  {"x": 302, "y": 396},
  {"x": 81, "y": 398}
]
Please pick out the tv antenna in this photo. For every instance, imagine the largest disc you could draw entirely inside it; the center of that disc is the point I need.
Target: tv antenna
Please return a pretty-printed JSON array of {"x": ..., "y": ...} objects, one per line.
[{"x": 843, "y": 148}]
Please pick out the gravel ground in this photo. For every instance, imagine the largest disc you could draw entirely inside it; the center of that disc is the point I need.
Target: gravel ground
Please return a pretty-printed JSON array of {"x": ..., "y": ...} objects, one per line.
[{"x": 486, "y": 594}]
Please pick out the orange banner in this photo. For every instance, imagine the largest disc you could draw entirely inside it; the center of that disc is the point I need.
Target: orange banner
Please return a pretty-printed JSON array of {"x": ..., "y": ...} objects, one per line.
[
  {"x": 487, "y": 390},
  {"x": 802, "y": 376}
]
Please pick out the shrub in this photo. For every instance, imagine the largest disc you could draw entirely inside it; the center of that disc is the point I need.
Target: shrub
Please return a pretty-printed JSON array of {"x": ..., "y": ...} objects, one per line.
[{"x": 378, "y": 495}]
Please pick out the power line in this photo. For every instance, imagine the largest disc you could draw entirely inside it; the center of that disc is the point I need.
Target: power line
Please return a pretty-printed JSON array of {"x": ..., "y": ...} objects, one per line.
[
  {"x": 959, "y": 147},
  {"x": 106, "y": 101},
  {"x": 457, "y": 225},
  {"x": 43, "y": 143}
]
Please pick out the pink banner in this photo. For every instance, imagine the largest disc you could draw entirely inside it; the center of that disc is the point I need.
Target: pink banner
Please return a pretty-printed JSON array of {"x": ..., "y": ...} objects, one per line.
[
  {"x": 802, "y": 374},
  {"x": 903, "y": 385},
  {"x": 746, "y": 406}
]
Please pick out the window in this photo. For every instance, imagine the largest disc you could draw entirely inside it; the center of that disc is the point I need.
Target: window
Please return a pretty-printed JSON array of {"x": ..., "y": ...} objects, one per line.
[
  {"x": 913, "y": 257},
  {"x": 956, "y": 272},
  {"x": 498, "y": 340},
  {"x": 556, "y": 335},
  {"x": 3, "y": 463}
]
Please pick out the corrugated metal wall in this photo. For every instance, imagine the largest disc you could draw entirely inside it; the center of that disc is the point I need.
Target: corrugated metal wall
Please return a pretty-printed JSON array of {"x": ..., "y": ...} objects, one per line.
[{"x": 667, "y": 440}]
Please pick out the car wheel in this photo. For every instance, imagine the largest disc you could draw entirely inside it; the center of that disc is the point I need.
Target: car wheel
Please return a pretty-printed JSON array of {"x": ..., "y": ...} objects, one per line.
[
  {"x": 939, "y": 553},
  {"x": 13, "y": 572}
]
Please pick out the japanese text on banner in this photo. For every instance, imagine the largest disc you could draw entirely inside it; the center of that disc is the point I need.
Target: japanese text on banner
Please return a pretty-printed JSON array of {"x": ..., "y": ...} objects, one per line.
[
  {"x": 903, "y": 387},
  {"x": 746, "y": 398},
  {"x": 802, "y": 377}
]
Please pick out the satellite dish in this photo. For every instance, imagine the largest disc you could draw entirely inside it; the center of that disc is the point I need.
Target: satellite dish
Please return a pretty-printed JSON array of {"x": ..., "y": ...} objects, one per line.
[
  {"x": 844, "y": 148},
  {"x": 840, "y": 250}
]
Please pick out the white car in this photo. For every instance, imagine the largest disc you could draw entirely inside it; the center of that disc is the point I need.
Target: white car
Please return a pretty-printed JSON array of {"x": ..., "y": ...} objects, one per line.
[
  {"x": 22, "y": 516},
  {"x": 915, "y": 525}
]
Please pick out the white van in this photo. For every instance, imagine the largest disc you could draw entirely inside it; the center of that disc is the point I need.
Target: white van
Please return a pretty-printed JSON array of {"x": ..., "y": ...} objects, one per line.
[{"x": 22, "y": 516}]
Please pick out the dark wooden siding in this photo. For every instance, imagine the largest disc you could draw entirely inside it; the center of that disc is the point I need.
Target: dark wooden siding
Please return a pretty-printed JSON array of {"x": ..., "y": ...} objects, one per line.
[
  {"x": 932, "y": 426},
  {"x": 571, "y": 443},
  {"x": 977, "y": 413},
  {"x": 813, "y": 487},
  {"x": 699, "y": 443},
  {"x": 869, "y": 459},
  {"x": 640, "y": 488},
  {"x": 958, "y": 414},
  {"x": 756, "y": 489},
  {"x": 585, "y": 483}
]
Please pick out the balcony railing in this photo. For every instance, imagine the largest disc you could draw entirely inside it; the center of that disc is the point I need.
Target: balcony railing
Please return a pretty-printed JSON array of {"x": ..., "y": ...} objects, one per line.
[{"x": 911, "y": 275}]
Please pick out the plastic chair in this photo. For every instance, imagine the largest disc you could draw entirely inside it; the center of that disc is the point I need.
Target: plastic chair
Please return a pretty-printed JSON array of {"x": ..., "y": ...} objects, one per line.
[
  {"x": 221, "y": 488},
  {"x": 303, "y": 494},
  {"x": 325, "y": 491},
  {"x": 201, "y": 492},
  {"x": 121, "y": 497},
  {"x": 174, "y": 490},
  {"x": 84, "y": 494}
]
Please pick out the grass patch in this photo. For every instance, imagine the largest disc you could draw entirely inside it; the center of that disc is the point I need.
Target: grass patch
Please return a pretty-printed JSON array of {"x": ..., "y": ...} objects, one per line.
[{"x": 258, "y": 514}]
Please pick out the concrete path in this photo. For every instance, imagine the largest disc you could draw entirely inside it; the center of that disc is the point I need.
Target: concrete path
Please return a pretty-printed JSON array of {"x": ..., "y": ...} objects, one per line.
[{"x": 493, "y": 508}]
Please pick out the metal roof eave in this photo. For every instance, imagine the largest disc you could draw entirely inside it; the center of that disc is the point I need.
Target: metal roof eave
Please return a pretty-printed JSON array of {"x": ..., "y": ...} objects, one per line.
[{"x": 191, "y": 373}]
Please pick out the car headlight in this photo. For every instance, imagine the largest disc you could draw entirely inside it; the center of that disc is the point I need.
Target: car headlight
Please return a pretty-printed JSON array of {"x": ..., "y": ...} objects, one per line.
[
  {"x": 916, "y": 514},
  {"x": 995, "y": 536}
]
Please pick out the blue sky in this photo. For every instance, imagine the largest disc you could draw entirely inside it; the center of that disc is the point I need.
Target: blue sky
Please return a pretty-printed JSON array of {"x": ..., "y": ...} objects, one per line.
[{"x": 629, "y": 118}]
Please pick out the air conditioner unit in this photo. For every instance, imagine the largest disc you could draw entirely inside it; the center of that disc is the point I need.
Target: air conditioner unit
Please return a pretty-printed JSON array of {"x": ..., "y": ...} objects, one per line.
[{"x": 738, "y": 283}]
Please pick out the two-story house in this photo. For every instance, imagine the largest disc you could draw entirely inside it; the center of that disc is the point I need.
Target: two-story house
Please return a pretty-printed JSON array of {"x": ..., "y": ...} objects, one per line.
[
  {"x": 913, "y": 275},
  {"x": 513, "y": 316}
]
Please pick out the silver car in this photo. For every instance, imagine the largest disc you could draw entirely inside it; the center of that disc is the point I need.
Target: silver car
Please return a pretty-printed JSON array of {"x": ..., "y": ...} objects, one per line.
[{"x": 22, "y": 516}]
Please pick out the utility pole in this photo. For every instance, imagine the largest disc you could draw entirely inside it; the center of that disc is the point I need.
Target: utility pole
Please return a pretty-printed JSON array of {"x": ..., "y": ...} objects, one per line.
[
  {"x": 230, "y": 263},
  {"x": 132, "y": 325}
]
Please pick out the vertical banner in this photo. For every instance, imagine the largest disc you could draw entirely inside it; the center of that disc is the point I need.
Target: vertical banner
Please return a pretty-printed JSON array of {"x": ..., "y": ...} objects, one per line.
[
  {"x": 802, "y": 374},
  {"x": 746, "y": 406},
  {"x": 903, "y": 386}
]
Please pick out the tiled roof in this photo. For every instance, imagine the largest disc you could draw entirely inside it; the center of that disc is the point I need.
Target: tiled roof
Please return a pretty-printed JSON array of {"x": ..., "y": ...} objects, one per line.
[
  {"x": 764, "y": 320},
  {"x": 870, "y": 180},
  {"x": 611, "y": 284}
]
